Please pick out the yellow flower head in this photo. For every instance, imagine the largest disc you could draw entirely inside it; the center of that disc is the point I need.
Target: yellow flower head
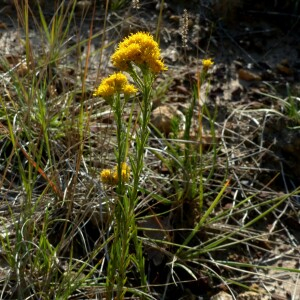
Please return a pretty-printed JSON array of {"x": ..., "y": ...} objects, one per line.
[
  {"x": 207, "y": 63},
  {"x": 111, "y": 177},
  {"x": 115, "y": 83},
  {"x": 106, "y": 176},
  {"x": 141, "y": 50},
  {"x": 125, "y": 172},
  {"x": 129, "y": 89}
]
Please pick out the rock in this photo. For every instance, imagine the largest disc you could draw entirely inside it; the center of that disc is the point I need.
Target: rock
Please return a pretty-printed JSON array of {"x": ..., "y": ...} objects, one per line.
[
  {"x": 3, "y": 25},
  {"x": 248, "y": 75},
  {"x": 171, "y": 53},
  {"x": 221, "y": 296},
  {"x": 163, "y": 116},
  {"x": 83, "y": 5},
  {"x": 284, "y": 68}
]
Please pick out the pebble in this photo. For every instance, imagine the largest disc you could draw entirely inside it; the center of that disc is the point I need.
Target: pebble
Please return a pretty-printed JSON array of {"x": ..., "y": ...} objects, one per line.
[{"x": 247, "y": 75}]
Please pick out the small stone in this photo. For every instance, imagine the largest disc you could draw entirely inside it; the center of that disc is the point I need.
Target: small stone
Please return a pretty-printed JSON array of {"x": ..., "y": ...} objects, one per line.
[
  {"x": 248, "y": 75},
  {"x": 3, "y": 25},
  {"x": 175, "y": 18},
  {"x": 284, "y": 69},
  {"x": 162, "y": 117},
  {"x": 83, "y": 5},
  {"x": 221, "y": 296}
]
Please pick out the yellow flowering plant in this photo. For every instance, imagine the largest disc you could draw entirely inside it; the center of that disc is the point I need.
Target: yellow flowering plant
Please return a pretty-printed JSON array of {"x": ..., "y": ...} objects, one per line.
[
  {"x": 116, "y": 90},
  {"x": 138, "y": 55},
  {"x": 207, "y": 63},
  {"x": 203, "y": 77}
]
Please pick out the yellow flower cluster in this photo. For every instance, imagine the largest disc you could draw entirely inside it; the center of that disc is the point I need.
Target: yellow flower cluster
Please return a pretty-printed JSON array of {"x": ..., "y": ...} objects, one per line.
[
  {"x": 207, "y": 63},
  {"x": 116, "y": 82},
  {"x": 141, "y": 50},
  {"x": 111, "y": 177}
]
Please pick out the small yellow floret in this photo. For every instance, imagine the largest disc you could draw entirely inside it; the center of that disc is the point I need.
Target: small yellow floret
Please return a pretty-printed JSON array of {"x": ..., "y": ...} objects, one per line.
[
  {"x": 106, "y": 176},
  {"x": 207, "y": 63},
  {"x": 125, "y": 172},
  {"x": 111, "y": 176},
  {"x": 157, "y": 65},
  {"x": 129, "y": 89},
  {"x": 115, "y": 83}
]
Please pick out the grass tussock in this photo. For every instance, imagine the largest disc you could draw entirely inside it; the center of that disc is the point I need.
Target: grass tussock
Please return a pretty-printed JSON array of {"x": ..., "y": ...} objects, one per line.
[{"x": 96, "y": 201}]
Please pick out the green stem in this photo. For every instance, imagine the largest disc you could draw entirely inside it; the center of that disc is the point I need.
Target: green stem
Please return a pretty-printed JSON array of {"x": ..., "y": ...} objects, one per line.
[
  {"x": 119, "y": 259},
  {"x": 141, "y": 143},
  {"x": 143, "y": 133}
]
